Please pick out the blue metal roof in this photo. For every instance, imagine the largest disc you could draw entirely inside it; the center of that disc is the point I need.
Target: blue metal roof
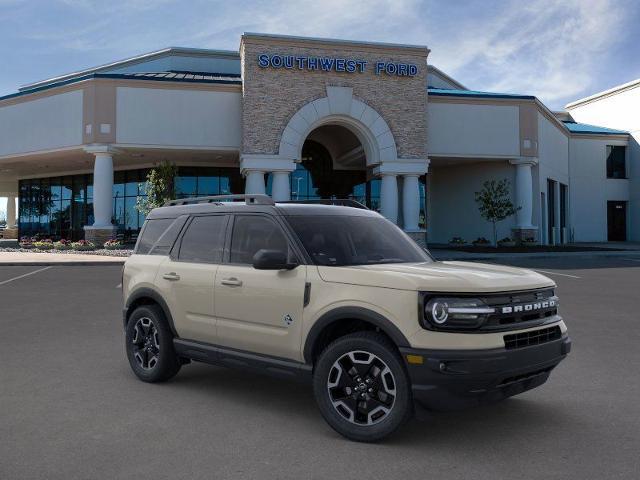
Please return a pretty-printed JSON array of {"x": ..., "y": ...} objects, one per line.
[
  {"x": 444, "y": 92},
  {"x": 188, "y": 77},
  {"x": 575, "y": 127}
]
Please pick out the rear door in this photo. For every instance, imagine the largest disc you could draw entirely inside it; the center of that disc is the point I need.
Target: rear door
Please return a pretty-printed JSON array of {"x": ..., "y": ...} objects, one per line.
[
  {"x": 259, "y": 310},
  {"x": 186, "y": 278}
]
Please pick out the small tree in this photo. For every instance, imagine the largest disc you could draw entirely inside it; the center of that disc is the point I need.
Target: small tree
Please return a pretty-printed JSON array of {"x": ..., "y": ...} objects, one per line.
[
  {"x": 160, "y": 187},
  {"x": 494, "y": 203}
]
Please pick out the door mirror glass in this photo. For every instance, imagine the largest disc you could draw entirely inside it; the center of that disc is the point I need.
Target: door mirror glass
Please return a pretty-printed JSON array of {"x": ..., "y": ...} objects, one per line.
[{"x": 272, "y": 260}]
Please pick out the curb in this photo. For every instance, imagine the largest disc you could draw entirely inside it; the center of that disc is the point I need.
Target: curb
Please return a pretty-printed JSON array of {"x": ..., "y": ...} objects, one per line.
[{"x": 88, "y": 263}]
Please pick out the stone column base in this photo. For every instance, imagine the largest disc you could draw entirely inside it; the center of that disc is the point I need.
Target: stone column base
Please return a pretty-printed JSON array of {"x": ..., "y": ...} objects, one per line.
[
  {"x": 520, "y": 234},
  {"x": 419, "y": 236},
  {"x": 9, "y": 233},
  {"x": 99, "y": 235}
]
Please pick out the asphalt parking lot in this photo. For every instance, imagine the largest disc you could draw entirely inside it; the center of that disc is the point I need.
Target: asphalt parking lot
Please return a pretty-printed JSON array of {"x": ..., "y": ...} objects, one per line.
[{"x": 70, "y": 407}]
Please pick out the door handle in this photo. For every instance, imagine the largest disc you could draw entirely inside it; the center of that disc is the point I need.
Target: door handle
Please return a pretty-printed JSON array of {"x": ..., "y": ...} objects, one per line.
[
  {"x": 173, "y": 276},
  {"x": 231, "y": 282}
]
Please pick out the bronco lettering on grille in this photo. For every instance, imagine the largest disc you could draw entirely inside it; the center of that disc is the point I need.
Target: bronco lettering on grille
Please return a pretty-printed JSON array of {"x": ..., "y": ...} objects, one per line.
[{"x": 529, "y": 307}]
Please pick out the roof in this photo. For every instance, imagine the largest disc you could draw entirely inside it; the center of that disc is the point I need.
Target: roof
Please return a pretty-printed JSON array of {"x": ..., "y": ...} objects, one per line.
[
  {"x": 474, "y": 93},
  {"x": 604, "y": 93},
  {"x": 584, "y": 128},
  {"x": 436, "y": 71},
  {"x": 172, "y": 76},
  {"x": 135, "y": 60}
]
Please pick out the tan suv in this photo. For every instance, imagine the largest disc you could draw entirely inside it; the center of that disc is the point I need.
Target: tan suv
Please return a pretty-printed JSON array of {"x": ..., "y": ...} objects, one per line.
[{"x": 337, "y": 296}]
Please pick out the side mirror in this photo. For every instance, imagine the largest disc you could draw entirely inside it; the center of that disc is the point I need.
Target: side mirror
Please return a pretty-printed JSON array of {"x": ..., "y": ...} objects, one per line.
[{"x": 272, "y": 260}]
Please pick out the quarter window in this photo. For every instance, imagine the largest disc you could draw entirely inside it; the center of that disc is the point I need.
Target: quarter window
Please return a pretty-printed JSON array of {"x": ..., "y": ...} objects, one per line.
[
  {"x": 151, "y": 233},
  {"x": 252, "y": 233},
  {"x": 616, "y": 167},
  {"x": 203, "y": 242}
]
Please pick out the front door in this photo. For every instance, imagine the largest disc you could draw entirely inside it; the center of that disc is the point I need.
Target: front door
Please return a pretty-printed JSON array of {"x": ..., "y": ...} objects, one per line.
[
  {"x": 187, "y": 277},
  {"x": 617, "y": 221},
  {"x": 259, "y": 310}
]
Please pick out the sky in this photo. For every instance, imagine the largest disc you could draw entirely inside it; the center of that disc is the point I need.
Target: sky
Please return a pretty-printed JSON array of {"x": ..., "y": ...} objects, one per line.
[{"x": 557, "y": 50}]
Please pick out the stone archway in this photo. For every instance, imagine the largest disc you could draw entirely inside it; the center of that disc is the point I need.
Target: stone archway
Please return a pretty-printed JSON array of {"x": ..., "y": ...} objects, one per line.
[{"x": 339, "y": 107}]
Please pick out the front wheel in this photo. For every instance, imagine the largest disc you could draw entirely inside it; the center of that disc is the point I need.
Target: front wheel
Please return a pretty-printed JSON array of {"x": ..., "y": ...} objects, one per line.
[
  {"x": 362, "y": 388},
  {"x": 149, "y": 345}
]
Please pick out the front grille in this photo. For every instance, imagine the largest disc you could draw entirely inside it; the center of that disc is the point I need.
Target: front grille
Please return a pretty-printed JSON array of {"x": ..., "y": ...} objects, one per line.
[
  {"x": 515, "y": 319},
  {"x": 534, "y": 337}
]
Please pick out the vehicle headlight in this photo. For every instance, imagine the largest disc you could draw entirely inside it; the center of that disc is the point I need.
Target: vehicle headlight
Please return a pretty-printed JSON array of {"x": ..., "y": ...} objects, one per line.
[{"x": 448, "y": 312}]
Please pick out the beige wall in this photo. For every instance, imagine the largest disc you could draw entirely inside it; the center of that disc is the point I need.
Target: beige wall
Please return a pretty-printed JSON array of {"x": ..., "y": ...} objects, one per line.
[
  {"x": 272, "y": 96},
  {"x": 45, "y": 123}
]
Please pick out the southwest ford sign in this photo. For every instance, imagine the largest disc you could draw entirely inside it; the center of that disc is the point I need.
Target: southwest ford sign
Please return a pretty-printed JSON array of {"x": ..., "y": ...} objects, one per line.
[{"x": 333, "y": 64}]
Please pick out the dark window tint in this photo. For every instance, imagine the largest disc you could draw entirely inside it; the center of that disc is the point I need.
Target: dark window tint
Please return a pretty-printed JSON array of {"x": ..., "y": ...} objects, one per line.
[
  {"x": 252, "y": 233},
  {"x": 203, "y": 241},
  {"x": 153, "y": 229},
  {"x": 616, "y": 162},
  {"x": 344, "y": 240},
  {"x": 168, "y": 238}
]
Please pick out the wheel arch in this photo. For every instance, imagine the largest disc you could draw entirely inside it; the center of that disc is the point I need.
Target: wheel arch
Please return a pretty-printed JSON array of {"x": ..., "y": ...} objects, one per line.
[
  {"x": 147, "y": 296},
  {"x": 329, "y": 322}
]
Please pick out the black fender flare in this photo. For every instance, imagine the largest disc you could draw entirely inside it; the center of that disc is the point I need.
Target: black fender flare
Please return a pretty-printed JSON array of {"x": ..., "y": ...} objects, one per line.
[
  {"x": 352, "y": 313},
  {"x": 145, "y": 292}
]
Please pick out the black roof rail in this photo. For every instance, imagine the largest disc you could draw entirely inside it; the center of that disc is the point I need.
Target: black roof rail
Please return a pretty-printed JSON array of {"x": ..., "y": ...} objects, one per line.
[
  {"x": 250, "y": 199},
  {"x": 342, "y": 202}
]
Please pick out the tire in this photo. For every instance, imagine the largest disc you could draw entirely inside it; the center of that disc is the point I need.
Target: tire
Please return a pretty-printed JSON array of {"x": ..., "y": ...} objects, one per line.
[
  {"x": 149, "y": 345},
  {"x": 367, "y": 404}
]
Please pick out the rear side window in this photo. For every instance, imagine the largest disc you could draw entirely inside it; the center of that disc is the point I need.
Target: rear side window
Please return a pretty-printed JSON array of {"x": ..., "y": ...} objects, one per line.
[
  {"x": 152, "y": 231},
  {"x": 203, "y": 241},
  {"x": 252, "y": 233}
]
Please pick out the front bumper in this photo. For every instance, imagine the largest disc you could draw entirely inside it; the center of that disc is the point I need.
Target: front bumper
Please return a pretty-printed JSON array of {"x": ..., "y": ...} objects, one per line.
[{"x": 451, "y": 380}]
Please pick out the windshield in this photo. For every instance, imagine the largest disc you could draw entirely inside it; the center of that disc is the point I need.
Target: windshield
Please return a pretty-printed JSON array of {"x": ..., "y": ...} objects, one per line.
[{"x": 344, "y": 240}]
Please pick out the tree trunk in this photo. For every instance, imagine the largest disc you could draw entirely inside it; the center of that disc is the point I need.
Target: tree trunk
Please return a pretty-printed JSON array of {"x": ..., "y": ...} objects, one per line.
[{"x": 495, "y": 235}]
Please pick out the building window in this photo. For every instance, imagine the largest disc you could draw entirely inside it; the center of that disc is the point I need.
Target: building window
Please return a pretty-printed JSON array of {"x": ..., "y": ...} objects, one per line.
[{"x": 616, "y": 161}]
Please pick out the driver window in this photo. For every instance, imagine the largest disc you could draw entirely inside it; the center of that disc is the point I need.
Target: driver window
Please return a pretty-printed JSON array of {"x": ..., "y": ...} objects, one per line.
[{"x": 252, "y": 233}]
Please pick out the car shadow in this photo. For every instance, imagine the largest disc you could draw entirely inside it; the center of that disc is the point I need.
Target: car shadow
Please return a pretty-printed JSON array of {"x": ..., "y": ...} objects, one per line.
[{"x": 499, "y": 423}]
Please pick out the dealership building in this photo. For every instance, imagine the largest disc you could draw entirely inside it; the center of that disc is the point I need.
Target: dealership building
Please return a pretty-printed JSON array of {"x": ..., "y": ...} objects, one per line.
[{"x": 306, "y": 118}]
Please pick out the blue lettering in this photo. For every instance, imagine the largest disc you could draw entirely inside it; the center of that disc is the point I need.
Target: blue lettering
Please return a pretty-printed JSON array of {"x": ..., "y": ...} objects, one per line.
[
  {"x": 340, "y": 64},
  {"x": 327, "y": 63},
  {"x": 413, "y": 70},
  {"x": 392, "y": 68},
  {"x": 288, "y": 61},
  {"x": 351, "y": 66},
  {"x": 379, "y": 67},
  {"x": 313, "y": 63},
  {"x": 362, "y": 64},
  {"x": 276, "y": 61},
  {"x": 263, "y": 60},
  {"x": 301, "y": 61},
  {"x": 402, "y": 69}
]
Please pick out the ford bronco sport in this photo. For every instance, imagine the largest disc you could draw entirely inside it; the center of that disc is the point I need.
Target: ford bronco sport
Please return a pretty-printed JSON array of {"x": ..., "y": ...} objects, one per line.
[{"x": 338, "y": 296}]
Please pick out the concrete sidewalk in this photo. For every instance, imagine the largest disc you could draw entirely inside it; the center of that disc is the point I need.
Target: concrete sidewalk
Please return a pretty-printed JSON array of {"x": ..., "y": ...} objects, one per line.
[
  {"x": 444, "y": 254},
  {"x": 36, "y": 259}
]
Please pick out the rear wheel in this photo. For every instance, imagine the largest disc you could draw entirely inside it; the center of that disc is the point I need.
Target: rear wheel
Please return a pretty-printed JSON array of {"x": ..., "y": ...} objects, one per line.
[
  {"x": 362, "y": 388},
  {"x": 149, "y": 345}
]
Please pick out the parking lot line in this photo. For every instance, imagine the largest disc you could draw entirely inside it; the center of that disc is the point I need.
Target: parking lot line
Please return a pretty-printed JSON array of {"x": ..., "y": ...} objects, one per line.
[
  {"x": 556, "y": 273},
  {"x": 25, "y": 275}
]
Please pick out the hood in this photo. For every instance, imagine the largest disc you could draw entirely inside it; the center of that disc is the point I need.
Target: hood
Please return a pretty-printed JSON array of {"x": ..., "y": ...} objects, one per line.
[{"x": 461, "y": 277}]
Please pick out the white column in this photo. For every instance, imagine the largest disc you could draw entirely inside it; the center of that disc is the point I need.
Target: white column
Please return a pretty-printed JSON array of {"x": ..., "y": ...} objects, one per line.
[
  {"x": 411, "y": 202},
  {"x": 389, "y": 197},
  {"x": 280, "y": 189},
  {"x": 255, "y": 182},
  {"x": 11, "y": 212},
  {"x": 524, "y": 193},
  {"x": 103, "y": 189}
]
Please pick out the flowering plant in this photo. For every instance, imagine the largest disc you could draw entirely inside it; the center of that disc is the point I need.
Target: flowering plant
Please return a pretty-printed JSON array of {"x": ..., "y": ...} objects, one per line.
[
  {"x": 457, "y": 241},
  {"x": 83, "y": 245},
  {"x": 113, "y": 244},
  {"x": 62, "y": 244},
  {"x": 26, "y": 242},
  {"x": 45, "y": 244}
]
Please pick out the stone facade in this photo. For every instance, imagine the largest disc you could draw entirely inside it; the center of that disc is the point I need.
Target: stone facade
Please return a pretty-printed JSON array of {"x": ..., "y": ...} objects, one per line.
[
  {"x": 272, "y": 96},
  {"x": 98, "y": 236}
]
